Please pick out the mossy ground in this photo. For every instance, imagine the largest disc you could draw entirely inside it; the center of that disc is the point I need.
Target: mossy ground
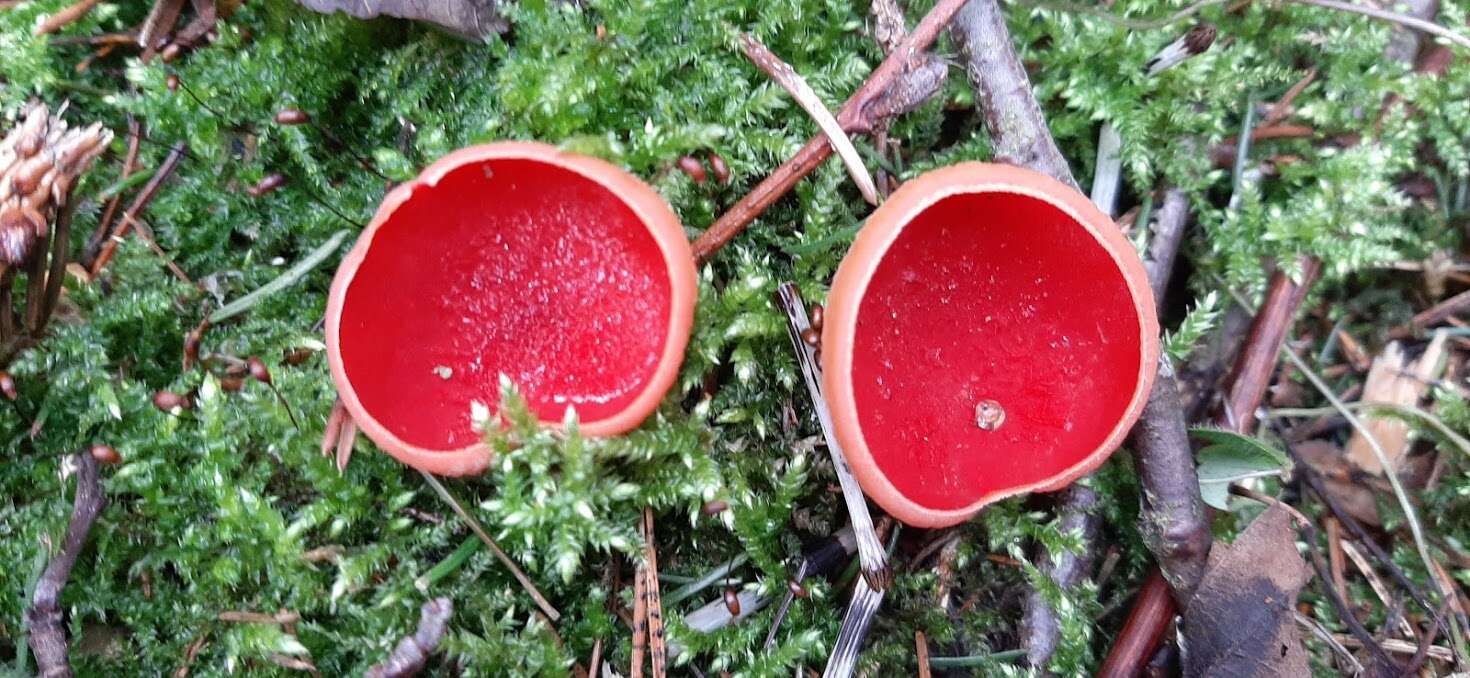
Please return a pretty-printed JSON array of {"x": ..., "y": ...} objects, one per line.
[{"x": 214, "y": 508}]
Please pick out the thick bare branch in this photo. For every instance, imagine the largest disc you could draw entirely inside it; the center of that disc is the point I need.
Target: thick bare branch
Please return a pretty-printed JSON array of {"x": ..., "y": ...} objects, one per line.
[
  {"x": 411, "y": 653},
  {"x": 43, "y": 617}
]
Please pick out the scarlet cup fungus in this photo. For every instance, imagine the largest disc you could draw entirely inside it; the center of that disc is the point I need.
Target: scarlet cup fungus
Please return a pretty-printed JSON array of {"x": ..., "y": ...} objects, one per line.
[
  {"x": 565, "y": 273},
  {"x": 990, "y": 333}
]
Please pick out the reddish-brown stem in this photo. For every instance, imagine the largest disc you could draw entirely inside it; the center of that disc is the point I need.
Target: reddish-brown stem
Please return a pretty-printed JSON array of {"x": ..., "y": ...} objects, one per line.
[
  {"x": 140, "y": 203},
  {"x": 104, "y": 224},
  {"x": 1282, "y": 107},
  {"x": 65, "y": 17},
  {"x": 1248, "y": 382},
  {"x": 1142, "y": 631},
  {"x": 56, "y": 270},
  {"x": 855, "y": 117}
]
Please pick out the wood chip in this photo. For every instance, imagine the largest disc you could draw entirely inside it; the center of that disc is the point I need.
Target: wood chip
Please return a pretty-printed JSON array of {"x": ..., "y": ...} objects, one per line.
[{"x": 1393, "y": 379}]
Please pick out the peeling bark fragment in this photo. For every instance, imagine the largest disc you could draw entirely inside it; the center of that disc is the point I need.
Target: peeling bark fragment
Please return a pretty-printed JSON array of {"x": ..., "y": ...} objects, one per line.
[{"x": 468, "y": 18}]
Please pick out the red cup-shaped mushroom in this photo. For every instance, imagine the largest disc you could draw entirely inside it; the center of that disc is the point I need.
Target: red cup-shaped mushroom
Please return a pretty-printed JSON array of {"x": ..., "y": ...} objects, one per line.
[
  {"x": 990, "y": 333},
  {"x": 561, "y": 271}
]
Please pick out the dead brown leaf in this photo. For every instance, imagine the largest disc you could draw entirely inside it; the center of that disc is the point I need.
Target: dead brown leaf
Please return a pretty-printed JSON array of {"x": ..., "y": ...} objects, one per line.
[
  {"x": 1395, "y": 380},
  {"x": 1354, "y": 498},
  {"x": 1241, "y": 622}
]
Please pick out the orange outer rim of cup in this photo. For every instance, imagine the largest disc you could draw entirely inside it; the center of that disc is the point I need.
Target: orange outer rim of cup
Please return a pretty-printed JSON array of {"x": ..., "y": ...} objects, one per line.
[
  {"x": 650, "y": 208},
  {"x": 856, "y": 270}
]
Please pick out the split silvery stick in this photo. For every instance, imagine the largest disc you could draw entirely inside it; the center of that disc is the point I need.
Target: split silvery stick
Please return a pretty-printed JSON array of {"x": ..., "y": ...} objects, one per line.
[
  {"x": 870, "y": 549},
  {"x": 867, "y": 596}
]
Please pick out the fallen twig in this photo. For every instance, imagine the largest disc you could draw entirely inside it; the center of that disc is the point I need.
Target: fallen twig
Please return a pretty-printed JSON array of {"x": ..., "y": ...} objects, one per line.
[
  {"x": 1248, "y": 382},
  {"x": 1282, "y": 107},
  {"x": 139, "y": 204},
  {"x": 43, "y": 617},
  {"x": 104, "y": 223},
  {"x": 859, "y": 114},
  {"x": 921, "y": 651},
  {"x": 1392, "y": 17},
  {"x": 411, "y": 653},
  {"x": 1376, "y": 583},
  {"x": 1040, "y": 627},
  {"x": 65, "y": 17},
  {"x": 640, "y": 620},
  {"x": 1332, "y": 641},
  {"x": 796, "y": 86},
  {"x": 1164, "y": 242},
  {"x": 1018, "y": 131},
  {"x": 247, "y": 617}
]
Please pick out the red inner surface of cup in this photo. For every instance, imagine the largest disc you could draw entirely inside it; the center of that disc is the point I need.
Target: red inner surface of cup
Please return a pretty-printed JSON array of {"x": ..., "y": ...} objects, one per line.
[
  {"x": 504, "y": 266},
  {"x": 991, "y": 296}
]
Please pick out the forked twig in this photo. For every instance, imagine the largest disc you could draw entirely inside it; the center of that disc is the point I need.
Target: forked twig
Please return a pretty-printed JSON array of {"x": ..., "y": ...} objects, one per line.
[
  {"x": 796, "y": 86},
  {"x": 140, "y": 203},
  {"x": 859, "y": 113}
]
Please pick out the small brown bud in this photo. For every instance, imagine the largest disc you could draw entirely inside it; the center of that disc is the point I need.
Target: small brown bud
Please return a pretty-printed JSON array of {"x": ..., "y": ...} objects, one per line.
[
  {"x": 817, "y": 315},
  {"x": 292, "y": 116},
  {"x": 7, "y": 386},
  {"x": 601, "y": 32},
  {"x": 105, "y": 454},
  {"x": 168, "y": 401},
  {"x": 715, "y": 507},
  {"x": 732, "y": 602},
  {"x": 192, "y": 340},
  {"x": 231, "y": 384},
  {"x": 693, "y": 168},
  {"x": 718, "y": 166},
  {"x": 796, "y": 588},
  {"x": 296, "y": 356},
  {"x": 172, "y": 82},
  {"x": 258, "y": 370},
  {"x": 266, "y": 185},
  {"x": 811, "y": 337}
]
